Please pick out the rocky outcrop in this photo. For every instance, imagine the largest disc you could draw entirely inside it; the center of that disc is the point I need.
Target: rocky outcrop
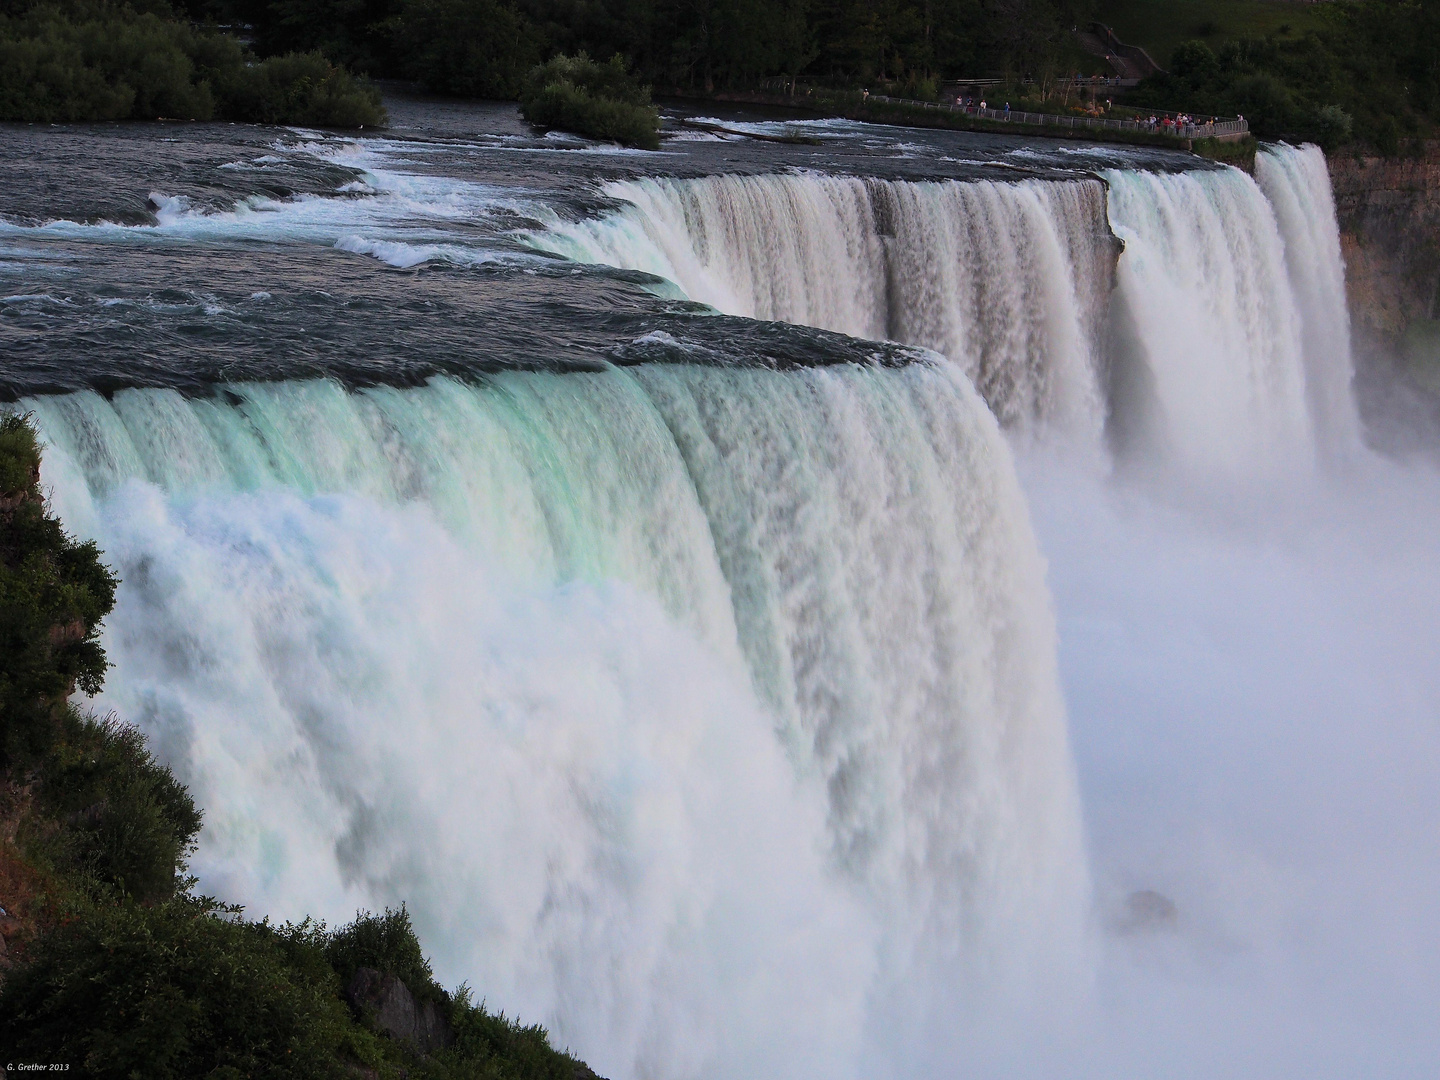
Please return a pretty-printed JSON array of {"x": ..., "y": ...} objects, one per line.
[
  {"x": 388, "y": 1003},
  {"x": 1389, "y": 211},
  {"x": 1389, "y": 214}
]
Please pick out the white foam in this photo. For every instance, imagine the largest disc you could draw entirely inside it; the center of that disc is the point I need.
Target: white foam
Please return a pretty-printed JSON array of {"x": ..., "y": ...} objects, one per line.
[{"x": 706, "y": 715}]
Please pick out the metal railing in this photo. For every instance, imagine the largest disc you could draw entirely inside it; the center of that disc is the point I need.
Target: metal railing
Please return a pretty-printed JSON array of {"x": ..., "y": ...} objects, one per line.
[{"x": 1198, "y": 129}]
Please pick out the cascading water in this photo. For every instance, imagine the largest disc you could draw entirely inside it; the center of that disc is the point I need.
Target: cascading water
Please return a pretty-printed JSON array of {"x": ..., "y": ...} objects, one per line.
[
  {"x": 1297, "y": 183},
  {"x": 1009, "y": 280},
  {"x": 708, "y": 712},
  {"x": 1204, "y": 281},
  {"x": 519, "y": 653},
  {"x": 1233, "y": 336}
]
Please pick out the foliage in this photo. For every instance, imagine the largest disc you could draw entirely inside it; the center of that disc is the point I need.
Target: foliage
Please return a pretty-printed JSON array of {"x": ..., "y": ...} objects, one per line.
[
  {"x": 1368, "y": 72},
  {"x": 386, "y": 943},
  {"x": 484, "y": 47},
  {"x": 494, "y": 1047},
  {"x": 472, "y": 48},
  {"x": 177, "y": 990},
  {"x": 1240, "y": 153},
  {"x": 600, "y": 100},
  {"x": 53, "y": 593},
  {"x": 1160, "y": 28},
  {"x": 93, "y": 60},
  {"x": 126, "y": 824},
  {"x": 299, "y": 88}
]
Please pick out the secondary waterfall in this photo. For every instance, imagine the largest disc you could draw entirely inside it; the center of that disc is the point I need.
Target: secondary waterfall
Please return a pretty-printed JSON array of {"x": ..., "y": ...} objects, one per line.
[
  {"x": 1008, "y": 280},
  {"x": 1297, "y": 183},
  {"x": 1226, "y": 340},
  {"x": 689, "y": 708}
]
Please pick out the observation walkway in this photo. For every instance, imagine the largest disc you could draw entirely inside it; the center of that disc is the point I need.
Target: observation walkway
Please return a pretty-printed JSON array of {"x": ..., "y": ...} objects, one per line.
[{"x": 1208, "y": 127}]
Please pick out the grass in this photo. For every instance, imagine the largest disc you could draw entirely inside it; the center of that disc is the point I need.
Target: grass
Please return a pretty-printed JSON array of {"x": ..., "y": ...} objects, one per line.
[{"x": 1159, "y": 26}]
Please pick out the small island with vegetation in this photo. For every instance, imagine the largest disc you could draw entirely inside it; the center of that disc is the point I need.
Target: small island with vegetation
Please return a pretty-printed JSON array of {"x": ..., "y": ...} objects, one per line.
[
  {"x": 110, "y": 962},
  {"x": 602, "y": 101}
]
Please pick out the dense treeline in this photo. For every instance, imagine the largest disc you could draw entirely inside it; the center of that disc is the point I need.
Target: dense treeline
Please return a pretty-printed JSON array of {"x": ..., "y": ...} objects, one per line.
[
  {"x": 96, "y": 60},
  {"x": 486, "y": 47},
  {"x": 1372, "y": 74},
  {"x": 1368, "y": 73},
  {"x": 109, "y": 962}
]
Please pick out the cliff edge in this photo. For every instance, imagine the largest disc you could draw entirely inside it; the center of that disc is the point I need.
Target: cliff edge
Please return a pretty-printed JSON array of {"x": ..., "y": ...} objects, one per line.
[{"x": 1389, "y": 216}]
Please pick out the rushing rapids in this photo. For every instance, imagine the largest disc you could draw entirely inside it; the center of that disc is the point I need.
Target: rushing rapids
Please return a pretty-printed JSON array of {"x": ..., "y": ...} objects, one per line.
[{"x": 694, "y": 680}]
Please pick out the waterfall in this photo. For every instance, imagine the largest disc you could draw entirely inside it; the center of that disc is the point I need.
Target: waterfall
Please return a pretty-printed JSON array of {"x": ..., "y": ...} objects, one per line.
[
  {"x": 1297, "y": 183},
  {"x": 1226, "y": 341},
  {"x": 1009, "y": 280},
  {"x": 689, "y": 708},
  {"x": 1204, "y": 280}
]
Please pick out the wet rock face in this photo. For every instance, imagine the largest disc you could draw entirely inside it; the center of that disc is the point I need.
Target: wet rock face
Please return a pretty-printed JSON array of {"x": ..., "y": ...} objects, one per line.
[
  {"x": 1389, "y": 215},
  {"x": 397, "y": 1013}
]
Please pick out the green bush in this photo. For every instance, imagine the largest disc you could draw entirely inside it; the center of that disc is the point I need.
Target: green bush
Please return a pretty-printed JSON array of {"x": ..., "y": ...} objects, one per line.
[
  {"x": 179, "y": 991},
  {"x": 93, "y": 60},
  {"x": 603, "y": 101},
  {"x": 127, "y": 824},
  {"x": 1334, "y": 126},
  {"x": 495, "y": 1047},
  {"x": 98, "y": 64},
  {"x": 53, "y": 593},
  {"x": 386, "y": 943},
  {"x": 300, "y": 88}
]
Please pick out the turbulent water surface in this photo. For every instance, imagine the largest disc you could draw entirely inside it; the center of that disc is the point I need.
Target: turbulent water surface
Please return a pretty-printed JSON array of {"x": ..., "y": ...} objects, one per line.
[{"x": 634, "y": 564}]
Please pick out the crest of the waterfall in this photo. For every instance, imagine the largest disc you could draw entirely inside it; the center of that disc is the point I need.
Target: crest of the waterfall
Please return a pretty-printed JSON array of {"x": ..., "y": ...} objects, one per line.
[
  {"x": 693, "y": 710},
  {"x": 1296, "y": 180},
  {"x": 1216, "y": 360},
  {"x": 1009, "y": 280}
]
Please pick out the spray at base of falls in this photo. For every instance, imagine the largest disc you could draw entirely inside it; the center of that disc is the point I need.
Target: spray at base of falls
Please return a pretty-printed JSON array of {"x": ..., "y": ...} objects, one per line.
[{"x": 694, "y": 711}]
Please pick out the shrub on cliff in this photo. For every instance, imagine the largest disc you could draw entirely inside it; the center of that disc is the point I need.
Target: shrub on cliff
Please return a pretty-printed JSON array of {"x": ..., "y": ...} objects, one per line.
[
  {"x": 603, "y": 101},
  {"x": 386, "y": 943},
  {"x": 179, "y": 991},
  {"x": 53, "y": 593},
  {"x": 124, "y": 825}
]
